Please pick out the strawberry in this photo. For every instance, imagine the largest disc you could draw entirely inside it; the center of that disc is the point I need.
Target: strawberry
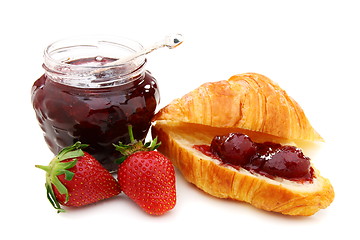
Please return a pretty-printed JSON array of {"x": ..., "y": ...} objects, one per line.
[
  {"x": 147, "y": 176},
  {"x": 75, "y": 178}
]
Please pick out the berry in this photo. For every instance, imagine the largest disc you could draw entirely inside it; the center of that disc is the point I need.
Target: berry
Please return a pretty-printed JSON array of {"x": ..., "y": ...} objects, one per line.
[
  {"x": 286, "y": 162},
  {"x": 234, "y": 148},
  {"x": 74, "y": 178},
  {"x": 147, "y": 176}
]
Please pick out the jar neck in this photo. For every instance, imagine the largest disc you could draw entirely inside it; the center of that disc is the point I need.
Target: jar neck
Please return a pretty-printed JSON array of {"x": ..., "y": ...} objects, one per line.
[{"x": 87, "y": 62}]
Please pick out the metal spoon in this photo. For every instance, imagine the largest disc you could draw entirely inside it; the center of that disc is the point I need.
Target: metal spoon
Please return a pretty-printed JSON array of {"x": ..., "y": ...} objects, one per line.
[{"x": 171, "y": 42}]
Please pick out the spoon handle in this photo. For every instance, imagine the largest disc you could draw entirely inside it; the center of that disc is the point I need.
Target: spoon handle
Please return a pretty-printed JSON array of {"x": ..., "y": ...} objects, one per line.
[{"x": 171, "y": 41}]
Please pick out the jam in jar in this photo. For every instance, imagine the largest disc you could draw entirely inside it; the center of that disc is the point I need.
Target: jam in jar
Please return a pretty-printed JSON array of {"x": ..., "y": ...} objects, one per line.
[{"x": 83, "y": 97}]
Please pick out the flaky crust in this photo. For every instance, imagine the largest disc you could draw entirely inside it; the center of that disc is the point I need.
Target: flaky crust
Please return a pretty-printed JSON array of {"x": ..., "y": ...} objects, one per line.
[
  {"x": 222, "y": 181},
  {"x": 252, "y": 104},
  {"x": 248, "y": 101}
]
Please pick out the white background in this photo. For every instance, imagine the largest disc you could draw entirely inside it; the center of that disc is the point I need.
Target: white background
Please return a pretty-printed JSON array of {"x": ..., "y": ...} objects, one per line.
[{"x": 311, "y": 48}]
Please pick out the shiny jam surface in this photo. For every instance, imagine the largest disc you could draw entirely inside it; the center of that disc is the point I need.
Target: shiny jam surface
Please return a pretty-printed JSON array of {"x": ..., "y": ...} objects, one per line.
[
  {"x": 268, "y": 159},
  {"x": 95, "y": 116}
]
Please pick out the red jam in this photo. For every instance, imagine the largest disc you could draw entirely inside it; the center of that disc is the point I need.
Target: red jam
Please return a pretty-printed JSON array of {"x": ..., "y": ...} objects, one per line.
[
  {"x": 95, "y": 116},
  {"x": 268, "y": 159}
]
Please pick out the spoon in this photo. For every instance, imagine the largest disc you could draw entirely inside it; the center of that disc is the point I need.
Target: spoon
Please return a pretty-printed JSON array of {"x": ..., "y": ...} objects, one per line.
[{"x": 171, "y": 42}]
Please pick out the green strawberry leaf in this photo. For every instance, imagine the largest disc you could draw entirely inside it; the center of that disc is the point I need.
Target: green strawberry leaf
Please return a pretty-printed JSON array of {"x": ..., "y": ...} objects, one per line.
[
  {"x": 60, "y": 187},
  {"x": 72, "y": 154},
  {"x": 52, "y": 199},
  {"x": 72, "y": 151},
  {"x": 120, "y": 160},
  {"x": 134, "y": 146},
  {"x": 68, "y": 174},
  {"x": 67, "y": 165},
  {"x": 58, "y": 167}
]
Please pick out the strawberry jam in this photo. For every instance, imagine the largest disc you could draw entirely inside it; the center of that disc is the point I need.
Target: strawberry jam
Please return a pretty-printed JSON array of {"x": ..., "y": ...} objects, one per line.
[
  {"x": 268, "y": 159},
  {"x": 84, "y": 99}
]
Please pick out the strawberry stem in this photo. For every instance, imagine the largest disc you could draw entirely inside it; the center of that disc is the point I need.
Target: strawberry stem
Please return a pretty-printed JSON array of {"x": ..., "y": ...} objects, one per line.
[
  {"x": 45, "y": 168},
  {"x": 134, "y": 146},
  {"x": 131, "y": 134}
]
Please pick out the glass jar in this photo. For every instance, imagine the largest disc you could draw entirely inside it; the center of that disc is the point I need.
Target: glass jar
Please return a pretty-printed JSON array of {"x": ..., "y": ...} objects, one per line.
[{"x": 83, "y": 97}]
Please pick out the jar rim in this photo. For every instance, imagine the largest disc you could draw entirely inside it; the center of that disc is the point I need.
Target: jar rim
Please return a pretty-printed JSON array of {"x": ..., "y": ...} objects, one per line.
[
  {"x": 88, "y": 41},
  {"x": 60, "y": 56}
]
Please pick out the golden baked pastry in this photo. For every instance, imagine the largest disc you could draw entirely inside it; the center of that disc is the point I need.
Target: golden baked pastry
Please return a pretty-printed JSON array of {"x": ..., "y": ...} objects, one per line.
[
  {"x": 254, "y": 105},
  {"x": 247, "y": 101}
]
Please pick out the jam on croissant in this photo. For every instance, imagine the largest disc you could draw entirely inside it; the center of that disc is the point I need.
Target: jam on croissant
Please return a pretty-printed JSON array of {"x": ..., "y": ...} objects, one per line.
[{"x": 268, "y": 159}]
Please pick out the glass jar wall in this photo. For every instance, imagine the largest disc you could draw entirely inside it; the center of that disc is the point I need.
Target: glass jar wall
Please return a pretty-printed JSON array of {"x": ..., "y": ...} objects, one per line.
[{"x": 83, "y": 97}]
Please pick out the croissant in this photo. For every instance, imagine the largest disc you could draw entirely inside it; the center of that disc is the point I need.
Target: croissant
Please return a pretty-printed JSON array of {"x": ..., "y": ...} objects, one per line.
[{"x": 256, "y": 106}]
